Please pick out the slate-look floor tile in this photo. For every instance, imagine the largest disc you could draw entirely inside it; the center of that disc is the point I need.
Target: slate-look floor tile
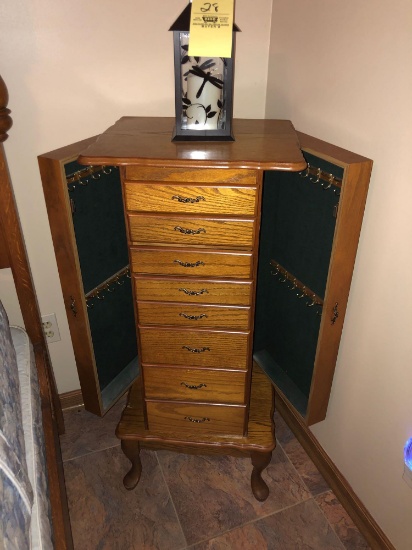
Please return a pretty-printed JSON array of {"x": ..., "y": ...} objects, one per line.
[
  {"x": 341, "y": 522},
  {"x": 283, "y": 433},
  {"x": 105, "y": 516},
  {"x": 305, "y": 467},
  {"x": 299, "y": 458},
  {"x": 300, "y": 527},
  {"x": 86, "y": 432},
  {"x": 212, "y": 494}
]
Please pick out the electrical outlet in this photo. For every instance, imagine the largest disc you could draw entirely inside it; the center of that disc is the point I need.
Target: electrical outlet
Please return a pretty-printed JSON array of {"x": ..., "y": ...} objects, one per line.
[{"x": 50, "y": 328}]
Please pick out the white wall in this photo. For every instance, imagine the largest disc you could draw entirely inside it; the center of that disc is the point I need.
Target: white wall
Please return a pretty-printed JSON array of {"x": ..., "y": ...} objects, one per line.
[
  {"x": 341, "y": 71},
  {"x": 72, "y": 68}
]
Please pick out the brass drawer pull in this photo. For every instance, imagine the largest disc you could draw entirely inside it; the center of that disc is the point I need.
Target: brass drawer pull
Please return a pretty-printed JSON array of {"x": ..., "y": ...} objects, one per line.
[
  {"x": 196, "y": 350},
  {"x": 189, "y": 387},
  {"x": 194, "y": 292},
  {"x": 188, "y": 199},
  {"x": 197, "y": 420},
  {"x": 193, "y": 317},
  {"x": 190, "y": 231},
  {"x": 188, "y": 264}
]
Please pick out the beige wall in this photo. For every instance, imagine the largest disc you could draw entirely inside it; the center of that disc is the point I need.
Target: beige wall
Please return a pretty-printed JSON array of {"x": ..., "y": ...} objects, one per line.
[
  {"x": 72, "y": 68},
  {"x": 342, "y": 72}
]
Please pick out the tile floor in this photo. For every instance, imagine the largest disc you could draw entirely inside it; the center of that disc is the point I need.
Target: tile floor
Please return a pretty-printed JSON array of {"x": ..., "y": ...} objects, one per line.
[{"x": 196, "y": 502}]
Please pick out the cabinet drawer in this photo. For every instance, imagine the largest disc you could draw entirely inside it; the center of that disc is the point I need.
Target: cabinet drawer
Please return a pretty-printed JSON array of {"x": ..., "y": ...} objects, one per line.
[
  {"x": 193, "y": 315},
  {"x": 190, "y": 198},
  {"x": 194, "y": 348},
  {"x": 194, "y": 384},
  {"x": 197, "y": 291},
  {"x": 190, "y": 231},
  {"x": 184, "y": 418},
  {"x": 199, "y": 175},
  {"x": 189, "y": 262}
]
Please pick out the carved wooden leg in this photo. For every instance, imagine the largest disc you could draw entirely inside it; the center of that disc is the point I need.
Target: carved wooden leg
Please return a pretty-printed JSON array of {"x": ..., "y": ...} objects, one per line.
[
  {"x": 260, "y": 461},
  {"x": 131, "y": 449}
]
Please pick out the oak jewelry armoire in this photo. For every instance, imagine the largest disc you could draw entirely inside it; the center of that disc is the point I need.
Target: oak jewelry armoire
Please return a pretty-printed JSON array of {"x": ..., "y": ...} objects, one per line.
[{"x": 241, "y": 256}]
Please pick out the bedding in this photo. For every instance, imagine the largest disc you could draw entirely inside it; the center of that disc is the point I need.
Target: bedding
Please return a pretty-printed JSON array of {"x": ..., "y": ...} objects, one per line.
[{"x": 25, "y": 516}]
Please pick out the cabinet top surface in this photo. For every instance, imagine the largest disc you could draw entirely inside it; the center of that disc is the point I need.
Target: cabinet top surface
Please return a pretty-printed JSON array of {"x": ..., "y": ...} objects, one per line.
[{"x": 147, "y": 141}]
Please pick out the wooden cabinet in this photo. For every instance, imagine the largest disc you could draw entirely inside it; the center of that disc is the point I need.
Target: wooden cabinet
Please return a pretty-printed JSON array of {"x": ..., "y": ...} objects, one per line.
[
  {"x": 193, "y": 218},
  {"x": 241, "y": 256},
  {"x": 85, "y": 210}
]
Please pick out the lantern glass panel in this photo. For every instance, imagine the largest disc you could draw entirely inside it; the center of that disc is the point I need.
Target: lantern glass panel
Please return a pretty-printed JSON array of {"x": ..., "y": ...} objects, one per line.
[{"x": 203, "y": 90}]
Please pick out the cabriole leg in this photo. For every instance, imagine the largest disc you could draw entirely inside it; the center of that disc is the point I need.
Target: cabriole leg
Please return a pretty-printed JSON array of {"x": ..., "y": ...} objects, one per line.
[
  {"x": 260, "y": 461},
  {"x": 132, "y": 450}
]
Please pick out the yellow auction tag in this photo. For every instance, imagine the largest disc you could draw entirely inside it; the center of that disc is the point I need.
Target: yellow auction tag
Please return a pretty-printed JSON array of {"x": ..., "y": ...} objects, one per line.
[{"x": 211, "y": 26}]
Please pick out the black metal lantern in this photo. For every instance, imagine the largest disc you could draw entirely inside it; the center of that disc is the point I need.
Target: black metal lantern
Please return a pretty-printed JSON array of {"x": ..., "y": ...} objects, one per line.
[{"x": 203, "y": 88}]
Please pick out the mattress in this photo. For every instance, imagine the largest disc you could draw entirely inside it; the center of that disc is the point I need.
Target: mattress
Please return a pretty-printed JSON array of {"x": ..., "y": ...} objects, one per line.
[
  {"x": 40, "y": 528},
  {"x": 25, "y": 515}
]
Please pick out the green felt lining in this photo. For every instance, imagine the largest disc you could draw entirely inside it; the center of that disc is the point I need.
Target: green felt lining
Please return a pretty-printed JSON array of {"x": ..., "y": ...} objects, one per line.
[
  {"x": 297, "y": 230},
  {"x": 113, "y": 332},
  {"x": 101, "y": 241},
  {"x": 99, "y": 226}
]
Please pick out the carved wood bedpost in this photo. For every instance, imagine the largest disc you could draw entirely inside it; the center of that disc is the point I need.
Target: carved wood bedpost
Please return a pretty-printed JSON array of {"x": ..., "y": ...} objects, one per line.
[
  {"x": 15, "y": 256},
  {"x": 12, "y": 234},
  {"x": 5, "y": 124},
  {"x": 15, "y": 250},
  {"x": 6, "y": 121},
  {"x": 17, "y": 259}
]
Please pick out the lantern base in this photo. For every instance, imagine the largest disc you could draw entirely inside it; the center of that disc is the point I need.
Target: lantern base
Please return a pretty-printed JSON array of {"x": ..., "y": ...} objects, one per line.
[{"x": 194, "y": 135}]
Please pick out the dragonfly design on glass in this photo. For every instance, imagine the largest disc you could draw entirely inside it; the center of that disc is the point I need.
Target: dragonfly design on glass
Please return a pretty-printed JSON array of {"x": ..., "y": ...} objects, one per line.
[{"x": 202, "y": 101}]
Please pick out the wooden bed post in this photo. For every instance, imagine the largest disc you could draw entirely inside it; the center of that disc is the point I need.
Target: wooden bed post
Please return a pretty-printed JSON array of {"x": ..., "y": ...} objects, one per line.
[
  {"x": 6, "y": 121},
  {"x": 5, "y": 124},
  {"x": 12, "y": 235},
  {"x": 13, "y": 254},
  {"x": 14, "y": 247}
]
